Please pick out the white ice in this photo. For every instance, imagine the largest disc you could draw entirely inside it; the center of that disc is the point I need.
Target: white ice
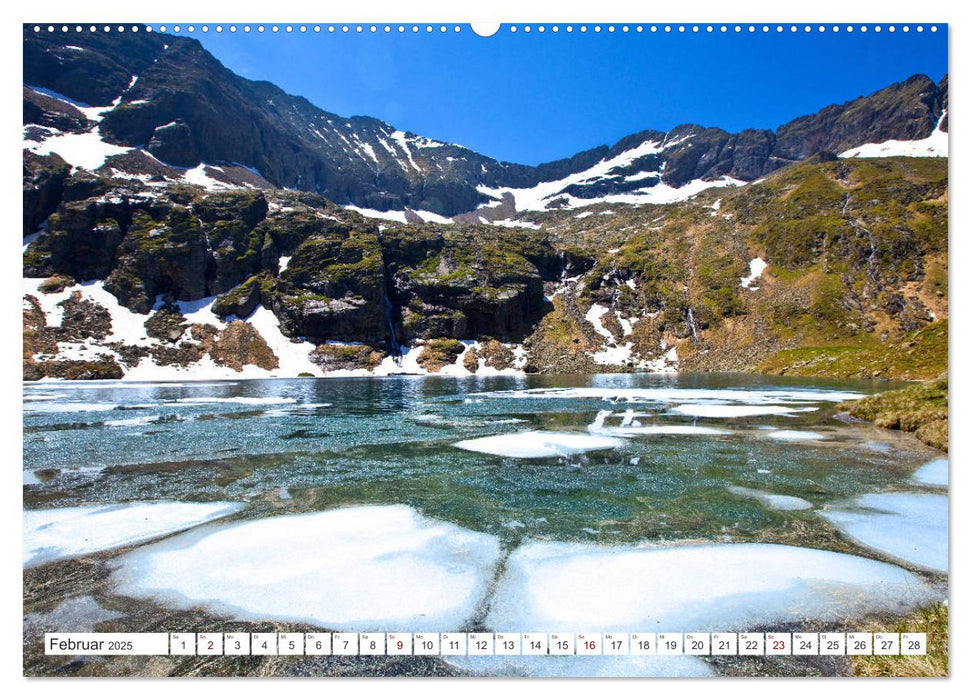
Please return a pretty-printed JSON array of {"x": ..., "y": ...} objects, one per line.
[
  {"x": 910, "y": 527},
  {"x": 247, "y": 400},
  {"x": 934, "y": 473},
  {"x": 61, "y": 533},
  {"x": 704, "y": 410},
  {"x": 772, "y": 500},
  {"x": 676, "y": 395},
  {"x": 632, "y": 428},
  {"x": 795, "y": 435},
  {"x": 69, "y": 407},
  {"x": 539, "y": 443},
  {"x": 357, "y": 569},
  {"x": 556, "y": 586}
]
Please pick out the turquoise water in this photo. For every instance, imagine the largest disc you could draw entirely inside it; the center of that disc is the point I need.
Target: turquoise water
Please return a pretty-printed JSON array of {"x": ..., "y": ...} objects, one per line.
[{"x": 304, "y": 445}]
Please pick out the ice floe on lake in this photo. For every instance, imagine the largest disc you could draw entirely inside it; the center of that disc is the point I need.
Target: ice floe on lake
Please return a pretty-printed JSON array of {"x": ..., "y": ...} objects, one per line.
[
  {"x": 795, "y": 435},
  {"x": 358, "y": 569},
  {"x": 61, "y": 533},
  {"x": 539, "y": 443},
  {"x": 678, "y": 395},
  {"x": 772, "y": 500},
  {"x": 630, "y": 427},
  {"x": 934, "y": 473},
  {"x": 636, "y": 430},
  {"x": 556, "y": 586},
  {"x": 911, "y": 527},
  {"x": 68, "y": 407},
  {"x": 711, "y": 410},
  {"x": 246, "y": 400}
]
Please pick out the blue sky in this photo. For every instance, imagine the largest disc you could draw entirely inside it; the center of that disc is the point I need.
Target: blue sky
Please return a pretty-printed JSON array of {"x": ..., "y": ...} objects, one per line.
[{"x": 534, "y": 97}]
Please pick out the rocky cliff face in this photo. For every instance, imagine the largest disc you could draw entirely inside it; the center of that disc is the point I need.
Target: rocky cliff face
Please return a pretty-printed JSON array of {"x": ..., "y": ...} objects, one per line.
[
  {"x": 326, "y": 273},
  {"x": 838, "y": 264},
  {"x": 170, "y": 105}
]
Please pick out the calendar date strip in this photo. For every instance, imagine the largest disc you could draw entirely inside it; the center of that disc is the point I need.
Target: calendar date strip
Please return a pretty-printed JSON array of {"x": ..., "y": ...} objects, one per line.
[{"x": 487, "y": 644}]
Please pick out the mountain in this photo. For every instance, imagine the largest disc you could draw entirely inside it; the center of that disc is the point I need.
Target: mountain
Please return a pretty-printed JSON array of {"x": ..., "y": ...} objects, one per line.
[
  {"x": 162, "y": 239},
  {"x": 827, "y": 267},
  {"x": 164, "y": 109}
]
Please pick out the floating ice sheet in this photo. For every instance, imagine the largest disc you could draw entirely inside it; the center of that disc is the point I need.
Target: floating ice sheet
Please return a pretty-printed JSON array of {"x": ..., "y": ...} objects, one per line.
[
  {"x": 634, "y": 431},
  {"x": 538, "y": 443},
  {"x": 795, "y": 435},
  {"x": 68, "y": 407},
  {"x": 555, "y": 586},
  {"x": 934, "y": 473},
  {"x": 248, "y": 400},
  {"x": 711, "y": 410},
  {"x": 911, "y": 527},
  {"x": 359, "y": 568},
  {"x": 772, "y": 500},
  {"x": 61, "y": 533},
  {"x": 678, "y": 395}
]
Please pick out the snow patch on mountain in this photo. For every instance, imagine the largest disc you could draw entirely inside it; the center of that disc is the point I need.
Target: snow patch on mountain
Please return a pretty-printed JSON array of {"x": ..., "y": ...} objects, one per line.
[
  {"x": 756, "y": 267},
  {"x": 934, "y": 146},
  {"x": 537, "y": 198},
  {"x": 402, "y": 217}
]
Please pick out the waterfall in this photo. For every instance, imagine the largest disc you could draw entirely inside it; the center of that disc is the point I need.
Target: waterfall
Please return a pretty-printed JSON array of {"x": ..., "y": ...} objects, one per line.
[
  {"x": 694, "y": 326},
  {"x": 872, "y": 254},
  {"x": 395, "y": 348}
]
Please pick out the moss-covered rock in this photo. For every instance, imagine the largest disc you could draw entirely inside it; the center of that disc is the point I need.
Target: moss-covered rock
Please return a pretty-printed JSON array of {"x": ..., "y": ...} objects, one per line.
[
  {"x": 240, "y": 344},
  {"x": 468, "y": 282},
  {"x": 439, "y": 352},
  {"x": 332, "y": 357},
  {"x": 496, "y": 355},
  {"x": 920, "y": 409},
  {"x": 82, "y": 319},
  {"x": 44, "y": 178},
  {"x": 563, "y": 342},
  {"x": 921, "y": 354},
  {"x": 243, "y": 300},
  {"x": 80, "y": 241},
  {"x": 229, "y": 224},
  {"x": 181, "y": 355},
  {"x": 55, "y": 284},
  {"x": 104, "y": 368},
  {"x": 163, "y": 255},
  {"x": 334, "y": 289},
  {"x": 167, "y": 324}
]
